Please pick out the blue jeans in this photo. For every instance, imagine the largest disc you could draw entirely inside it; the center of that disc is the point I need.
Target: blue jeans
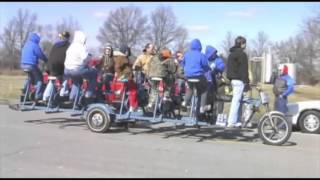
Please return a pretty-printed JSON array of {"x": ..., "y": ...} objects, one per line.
[
  {"x": 280, "y": 104},
  {"x": 85, "y": 72},
  {"x": 34, "y": 77},
  {"x": 235, "y": 110}
]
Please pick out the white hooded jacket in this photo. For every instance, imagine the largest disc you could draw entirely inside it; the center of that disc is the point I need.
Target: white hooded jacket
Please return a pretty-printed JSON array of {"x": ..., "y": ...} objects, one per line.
[{"x": 77, "y": 54}]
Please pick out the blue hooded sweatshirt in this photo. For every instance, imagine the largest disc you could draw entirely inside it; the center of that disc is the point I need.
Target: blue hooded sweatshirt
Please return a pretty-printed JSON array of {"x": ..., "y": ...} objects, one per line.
[
  {"x": 194, "y": 62},
  {"x": 290, "y": 85},
  {"x": 31, "y": 51},
  {"x": 215, "y": 62}
]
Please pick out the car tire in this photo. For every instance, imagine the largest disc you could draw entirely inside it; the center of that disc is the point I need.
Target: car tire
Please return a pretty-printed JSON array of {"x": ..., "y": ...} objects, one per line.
[{"x": 309, "y": 122}]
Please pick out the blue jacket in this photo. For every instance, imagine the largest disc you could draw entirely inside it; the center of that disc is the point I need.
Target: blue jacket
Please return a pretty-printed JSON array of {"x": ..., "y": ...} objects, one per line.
[
  {"x": 290, "y": 85},
  {"x": 31, "y": 51},
  {"x": 194, "y": 62},
  {"x": 215, "y": 62}
]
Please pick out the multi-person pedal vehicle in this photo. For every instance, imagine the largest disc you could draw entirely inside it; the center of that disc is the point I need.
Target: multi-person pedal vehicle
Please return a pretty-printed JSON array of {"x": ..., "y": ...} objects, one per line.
[{"x": 113, "y": 107}]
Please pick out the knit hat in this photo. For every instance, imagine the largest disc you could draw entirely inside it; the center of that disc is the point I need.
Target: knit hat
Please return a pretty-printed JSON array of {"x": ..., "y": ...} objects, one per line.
[{"x": 285, "y": 69}]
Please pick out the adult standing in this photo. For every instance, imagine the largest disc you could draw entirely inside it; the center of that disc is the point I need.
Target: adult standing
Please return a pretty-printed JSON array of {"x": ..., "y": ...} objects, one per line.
[{"x": 238, "y": 74}]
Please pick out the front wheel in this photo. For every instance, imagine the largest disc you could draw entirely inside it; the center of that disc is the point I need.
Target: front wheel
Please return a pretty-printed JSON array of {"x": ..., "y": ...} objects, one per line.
[
  {"x": 277, "y": 135},
  {"x": 98, "y": 120}
]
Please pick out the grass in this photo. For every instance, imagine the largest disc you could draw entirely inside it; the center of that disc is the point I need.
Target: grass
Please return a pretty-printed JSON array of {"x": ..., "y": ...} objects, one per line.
[{"x": 10, "y": 86}]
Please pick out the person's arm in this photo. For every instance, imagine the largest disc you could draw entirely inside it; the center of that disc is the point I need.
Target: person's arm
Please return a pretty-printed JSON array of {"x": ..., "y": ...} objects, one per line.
[
  {"x": 39, "y": 53},
  {"x": 137, "y": 62},
  {"x": 290, "y": 89},
  {"x": 219, "y": 65},
  {"x": 244, "y": 60},
  {"x": 205, "y": 64}
]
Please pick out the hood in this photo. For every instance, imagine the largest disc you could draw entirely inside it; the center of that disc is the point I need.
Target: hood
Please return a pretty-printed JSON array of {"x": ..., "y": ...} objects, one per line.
[
  {"x": 79, "y": 37},
  {"x": 196, "y": 45},
  {"x": 210, "y": 51},
  {"x": 34, "y": 38}
]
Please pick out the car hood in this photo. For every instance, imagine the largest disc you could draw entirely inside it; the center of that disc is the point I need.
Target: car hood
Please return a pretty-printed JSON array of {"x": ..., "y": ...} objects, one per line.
[{"x": 297, "y": 107}]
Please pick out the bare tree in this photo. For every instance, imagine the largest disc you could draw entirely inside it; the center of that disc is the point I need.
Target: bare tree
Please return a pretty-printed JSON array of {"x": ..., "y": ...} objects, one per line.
[
  {"x": 10, "y": 47},
  {"x": 125, "y": 25},
  {"x": 260, "y": 44},
  {"x": 227, "y": 43},
  {"x": 67, "y": 24},
  {"x": 164, "y": 29},
  {"x": 25, "y": 23},
  {"x": 15, "y": 35},
  {"x": 181, "y": 43},
  {"x": 48, "y": 37}
]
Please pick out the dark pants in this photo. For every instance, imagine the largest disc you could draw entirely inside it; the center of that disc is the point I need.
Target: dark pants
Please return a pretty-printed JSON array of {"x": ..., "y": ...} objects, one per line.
[
  {"x": 86, "y": 72},
  {"x": 201, "y": 87},
  {"x": 280, "y": 104},
  {"x": 107, "y": 79}
]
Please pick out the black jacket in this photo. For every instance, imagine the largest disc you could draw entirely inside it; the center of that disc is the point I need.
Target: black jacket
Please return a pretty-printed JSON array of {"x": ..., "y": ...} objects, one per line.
[
  {"x": 237, "y": 65},
  {"x": 57, "y": 57}
]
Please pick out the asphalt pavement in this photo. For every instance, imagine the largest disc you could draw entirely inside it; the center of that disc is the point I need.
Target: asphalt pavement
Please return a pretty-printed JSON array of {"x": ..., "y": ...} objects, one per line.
[{"x": 34, "y": 144}]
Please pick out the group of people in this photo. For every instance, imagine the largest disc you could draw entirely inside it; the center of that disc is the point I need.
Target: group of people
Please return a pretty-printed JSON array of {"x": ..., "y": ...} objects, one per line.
[{"x": 72, "y": 60}]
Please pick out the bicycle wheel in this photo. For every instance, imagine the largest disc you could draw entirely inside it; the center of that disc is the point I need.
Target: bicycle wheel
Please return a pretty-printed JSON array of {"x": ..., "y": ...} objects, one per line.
[{"x": 277, "y": 135}]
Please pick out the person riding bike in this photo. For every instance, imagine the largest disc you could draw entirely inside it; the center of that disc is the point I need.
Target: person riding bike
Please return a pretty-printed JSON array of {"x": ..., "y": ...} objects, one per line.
[
  {"x": 77, "y": 66},
  {"x": 31, "y": 53},
  {"x": 106, "y": 67},
  {"x": 195, "y": 65}
]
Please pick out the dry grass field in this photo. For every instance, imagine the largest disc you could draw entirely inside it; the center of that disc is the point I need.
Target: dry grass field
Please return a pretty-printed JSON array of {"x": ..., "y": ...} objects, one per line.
[{"x": 10, "y": 88}]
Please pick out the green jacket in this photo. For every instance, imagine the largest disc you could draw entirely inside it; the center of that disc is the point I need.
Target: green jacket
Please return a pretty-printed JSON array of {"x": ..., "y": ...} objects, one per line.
[{"x": 156, "y": 69}]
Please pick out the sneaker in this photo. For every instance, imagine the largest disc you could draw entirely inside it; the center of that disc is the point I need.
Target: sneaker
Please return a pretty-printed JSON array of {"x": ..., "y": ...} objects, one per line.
[
  {"x": 149, "y": 108},
  {"x": 231, "y": 126},
  {"x": 184, "y": 106},
  {"x": 238, "y": 124},
  {"x": 132, "y": 109}
]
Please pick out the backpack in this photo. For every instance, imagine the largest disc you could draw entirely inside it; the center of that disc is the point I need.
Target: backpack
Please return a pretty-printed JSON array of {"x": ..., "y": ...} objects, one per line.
[{"x": 280, "y": 85}]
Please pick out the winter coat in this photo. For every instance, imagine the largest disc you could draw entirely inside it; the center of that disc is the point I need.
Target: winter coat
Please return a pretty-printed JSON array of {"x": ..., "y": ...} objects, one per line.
[
  {"x": 31, "y": 51},
  {"x": 107, "y": 64},
  {"x": 216, "y": 65},
  {"x": 77, "y": 55},
  {"x": 57, "y": 57},
  {"x": 155, "y": 67},
  {"x": 290, "y": 85},
  {"x": 237, "y": 65},
  {"x": 143, "y": 62},
  {"x": 194, "y": 62},
  {"x": 122, "y": 66}
]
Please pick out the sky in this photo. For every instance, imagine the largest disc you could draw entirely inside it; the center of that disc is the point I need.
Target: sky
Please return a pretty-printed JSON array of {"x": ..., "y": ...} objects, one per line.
[{"x": 207, "y": 21}]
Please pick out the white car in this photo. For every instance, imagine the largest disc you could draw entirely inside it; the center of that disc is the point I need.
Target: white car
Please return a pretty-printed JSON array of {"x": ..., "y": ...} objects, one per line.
[{"x": 305, "y": 115}]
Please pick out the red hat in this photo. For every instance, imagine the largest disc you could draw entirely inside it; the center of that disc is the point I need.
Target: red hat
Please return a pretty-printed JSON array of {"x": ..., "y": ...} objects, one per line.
[{"x": 285, "y": 69}]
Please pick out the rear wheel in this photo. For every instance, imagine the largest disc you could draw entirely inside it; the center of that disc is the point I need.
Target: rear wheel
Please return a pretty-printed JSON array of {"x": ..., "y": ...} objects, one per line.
[
  {"x": 98, "y": 120},
  {"x": 309, "y": 122},
  {"x": 277, "y": 135}
]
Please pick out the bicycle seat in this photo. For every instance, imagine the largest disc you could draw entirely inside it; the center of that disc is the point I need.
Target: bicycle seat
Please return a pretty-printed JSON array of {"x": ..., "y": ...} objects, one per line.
[
  {"x": 26, "y": 70},
  {"x": 156, "y": 79},
  {"x": 193, "y": 80},
  {"x": 123, "y": 80},
  {"x": 52, "y": 78}
]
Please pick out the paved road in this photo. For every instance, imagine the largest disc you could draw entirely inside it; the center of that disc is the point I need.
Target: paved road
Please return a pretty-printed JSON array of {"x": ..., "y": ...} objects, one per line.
[{"x": 33, "y": 144}]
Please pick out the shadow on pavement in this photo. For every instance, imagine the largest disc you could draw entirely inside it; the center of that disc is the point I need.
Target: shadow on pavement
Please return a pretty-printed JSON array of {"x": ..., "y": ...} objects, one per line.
[{"x": 64, "y": 122}]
